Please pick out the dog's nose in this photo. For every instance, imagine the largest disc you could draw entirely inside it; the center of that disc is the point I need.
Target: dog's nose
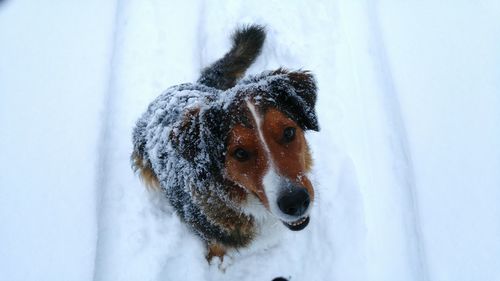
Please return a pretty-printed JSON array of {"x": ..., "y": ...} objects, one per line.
[{"x": 294, "y": 202}]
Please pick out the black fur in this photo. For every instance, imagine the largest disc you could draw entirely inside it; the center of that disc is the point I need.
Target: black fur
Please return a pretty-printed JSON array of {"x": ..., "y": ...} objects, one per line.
[
  {"x": 293, "y": 92},
  {"x": 247, "y": 44}
]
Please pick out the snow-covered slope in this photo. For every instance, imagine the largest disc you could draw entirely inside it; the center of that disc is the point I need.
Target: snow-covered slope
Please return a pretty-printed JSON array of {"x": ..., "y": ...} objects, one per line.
[{"x": 406, "y": 160}]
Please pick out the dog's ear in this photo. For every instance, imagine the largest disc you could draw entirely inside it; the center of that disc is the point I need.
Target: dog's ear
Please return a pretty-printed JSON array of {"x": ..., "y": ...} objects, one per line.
[
  {"x": 305, "y": 86},
  {"x": 139, "y": 159},
  {"x": 301, "y": 102}
]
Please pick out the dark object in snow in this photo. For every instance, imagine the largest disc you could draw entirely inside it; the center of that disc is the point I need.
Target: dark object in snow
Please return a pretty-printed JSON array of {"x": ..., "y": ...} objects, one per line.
[
  {"x": 190, "y": 145},
  {"x": 280, "y": 279}
]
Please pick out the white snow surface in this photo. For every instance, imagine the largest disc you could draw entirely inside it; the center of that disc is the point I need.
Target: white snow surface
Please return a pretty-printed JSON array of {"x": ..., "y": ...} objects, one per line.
[{"x": 407, "y": 162}]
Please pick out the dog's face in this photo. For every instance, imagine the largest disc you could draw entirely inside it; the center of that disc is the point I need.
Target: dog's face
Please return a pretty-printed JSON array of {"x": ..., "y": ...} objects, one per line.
[{"x": 270, "y": 158}]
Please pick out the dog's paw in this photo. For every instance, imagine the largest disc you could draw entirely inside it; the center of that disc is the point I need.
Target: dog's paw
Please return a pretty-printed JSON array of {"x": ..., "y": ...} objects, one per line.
[
  {"x": 225, "y": 262},
  {"x": 219, "y": 256},
  {"x": 222, "y": 263}
]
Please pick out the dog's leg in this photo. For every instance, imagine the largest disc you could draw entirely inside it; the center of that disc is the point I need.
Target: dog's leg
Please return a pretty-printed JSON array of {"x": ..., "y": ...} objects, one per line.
[
  {"x": 215, "y": 250},
  {"x": 225, "y": 259}
]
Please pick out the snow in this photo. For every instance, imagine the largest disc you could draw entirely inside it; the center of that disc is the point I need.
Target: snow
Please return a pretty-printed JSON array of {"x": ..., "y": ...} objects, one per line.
[
  {"x": 406, "y": 162},
  {"x": 54, "y": 64},
  {"x": 452, "y": 116}
]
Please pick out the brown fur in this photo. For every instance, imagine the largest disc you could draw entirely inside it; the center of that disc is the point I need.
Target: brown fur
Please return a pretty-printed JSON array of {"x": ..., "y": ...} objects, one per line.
[
  {"x": 293, "y": 160},
  {"x": 146, "y": 173},
  {"x": 215, "y": 250},
  {"x": 236, "y": 224},
  {"x": 249, "y": 173}
]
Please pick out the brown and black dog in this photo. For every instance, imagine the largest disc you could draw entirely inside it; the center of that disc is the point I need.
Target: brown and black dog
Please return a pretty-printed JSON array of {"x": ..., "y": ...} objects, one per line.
[{"x": 230, "y": 153}]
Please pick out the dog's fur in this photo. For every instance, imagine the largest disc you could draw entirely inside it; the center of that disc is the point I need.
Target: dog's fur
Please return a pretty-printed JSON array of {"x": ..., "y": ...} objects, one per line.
[{"x": 189, "y": 143}]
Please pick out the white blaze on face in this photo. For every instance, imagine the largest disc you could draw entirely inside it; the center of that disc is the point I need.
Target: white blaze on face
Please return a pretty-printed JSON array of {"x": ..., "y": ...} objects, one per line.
[
  {"x": 258, "y": 123},
  {"x": 271, "y": 179}
]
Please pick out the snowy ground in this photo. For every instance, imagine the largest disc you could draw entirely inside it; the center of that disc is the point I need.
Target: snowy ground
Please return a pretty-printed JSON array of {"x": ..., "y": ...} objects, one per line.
[{"x": 407, "y": 161}]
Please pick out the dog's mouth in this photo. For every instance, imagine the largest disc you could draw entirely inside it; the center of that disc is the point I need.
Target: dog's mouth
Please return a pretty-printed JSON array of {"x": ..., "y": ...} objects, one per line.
[{"x": 298, "y": 224}]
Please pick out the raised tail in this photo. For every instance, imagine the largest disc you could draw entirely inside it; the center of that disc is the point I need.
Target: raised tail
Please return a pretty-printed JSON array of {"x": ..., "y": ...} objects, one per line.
[{"x": 224, "y": 73}]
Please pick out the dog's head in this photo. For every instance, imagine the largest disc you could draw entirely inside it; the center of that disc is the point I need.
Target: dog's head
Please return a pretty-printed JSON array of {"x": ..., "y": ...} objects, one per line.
[{"x": 266, "y": 152}]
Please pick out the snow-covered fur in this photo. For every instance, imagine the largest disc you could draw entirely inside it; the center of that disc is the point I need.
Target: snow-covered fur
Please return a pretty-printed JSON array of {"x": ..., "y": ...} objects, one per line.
[{"x": 180, "y": 142}]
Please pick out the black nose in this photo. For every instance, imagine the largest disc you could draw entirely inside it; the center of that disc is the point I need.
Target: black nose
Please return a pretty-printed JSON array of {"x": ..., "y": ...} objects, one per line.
[{"x": 294, "y": 202}]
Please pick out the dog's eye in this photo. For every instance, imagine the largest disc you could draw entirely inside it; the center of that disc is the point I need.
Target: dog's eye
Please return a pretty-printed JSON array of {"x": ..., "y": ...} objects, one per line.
[
  {"x": 288, "y": 134},
  {"x": 241, "y": 155}
]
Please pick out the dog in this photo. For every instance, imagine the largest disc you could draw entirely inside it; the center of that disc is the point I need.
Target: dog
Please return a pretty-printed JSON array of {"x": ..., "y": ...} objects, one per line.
[{"x": 228, "y": 151}]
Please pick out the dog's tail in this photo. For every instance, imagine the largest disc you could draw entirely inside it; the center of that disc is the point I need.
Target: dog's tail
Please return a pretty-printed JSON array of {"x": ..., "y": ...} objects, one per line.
[{"x": 247, "y": 44}]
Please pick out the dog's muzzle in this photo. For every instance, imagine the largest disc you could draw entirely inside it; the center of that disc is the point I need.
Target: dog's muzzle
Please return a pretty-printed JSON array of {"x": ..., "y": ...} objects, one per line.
[{"x": 294, "y": 201}]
